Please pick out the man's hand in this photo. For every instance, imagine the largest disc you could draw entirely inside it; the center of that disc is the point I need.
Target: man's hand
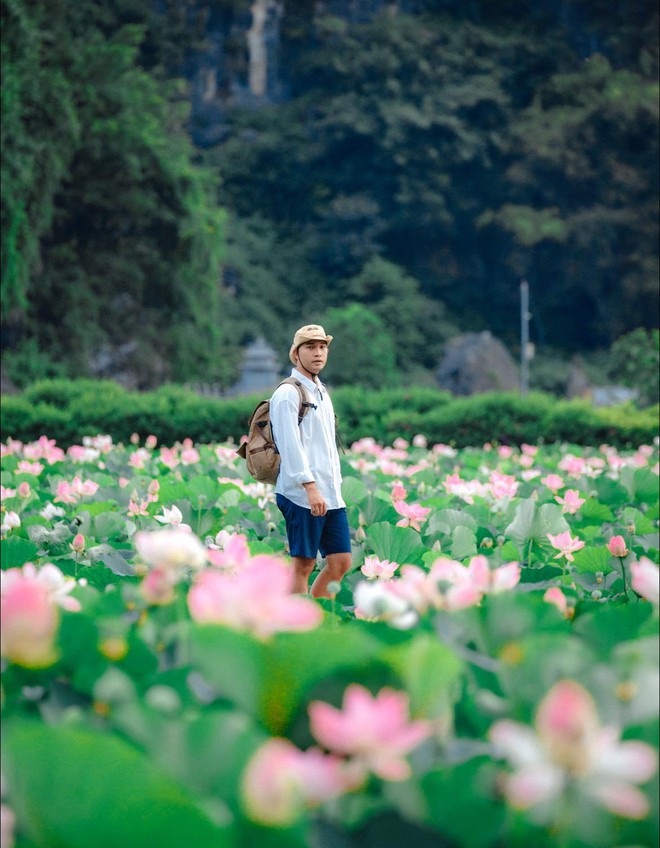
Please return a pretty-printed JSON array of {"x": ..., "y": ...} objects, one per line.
[{"x": 316, "y": 502}]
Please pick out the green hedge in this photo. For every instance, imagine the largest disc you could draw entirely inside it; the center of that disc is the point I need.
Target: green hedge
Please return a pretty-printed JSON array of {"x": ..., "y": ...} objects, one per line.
[{"x": 68, "y": 410}]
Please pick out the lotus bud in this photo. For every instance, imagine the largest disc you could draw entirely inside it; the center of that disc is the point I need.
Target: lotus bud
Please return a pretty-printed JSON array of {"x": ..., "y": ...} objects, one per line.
[
  {"x": 24, "y": 490},
  {"x": 334, "y": 587},
  {"x": 78, "y": 544},
  {"x": 151, "y": 442},
  {"x": 617, "y": 546},
  {"x": 135, "y": 438},
  {"x": 360, "y": 535},
  {"x": 486, "y": 542}
]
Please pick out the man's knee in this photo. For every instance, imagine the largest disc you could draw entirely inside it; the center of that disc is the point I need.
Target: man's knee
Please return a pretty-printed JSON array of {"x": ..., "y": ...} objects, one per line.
[
  {"x": 338, "y": 565},
  {"x": 303, "y": 565}
]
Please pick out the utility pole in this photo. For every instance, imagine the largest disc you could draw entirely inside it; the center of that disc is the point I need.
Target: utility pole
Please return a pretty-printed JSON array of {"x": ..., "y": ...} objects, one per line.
[{"x": 524, "y": 337}]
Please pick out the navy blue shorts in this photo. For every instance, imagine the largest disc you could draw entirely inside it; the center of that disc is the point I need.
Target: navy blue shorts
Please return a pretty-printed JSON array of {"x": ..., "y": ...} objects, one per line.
[{"x": 307, "y": 534}]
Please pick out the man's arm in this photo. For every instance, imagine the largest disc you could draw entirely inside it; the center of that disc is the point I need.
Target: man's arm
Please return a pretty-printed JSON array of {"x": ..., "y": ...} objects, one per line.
[{"x": 284, "y": 407}]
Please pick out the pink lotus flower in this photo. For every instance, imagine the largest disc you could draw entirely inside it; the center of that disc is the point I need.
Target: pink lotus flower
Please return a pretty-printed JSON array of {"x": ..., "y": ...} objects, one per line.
[
  {"x": 78, "y": 544},
  {"x": 555, "y": 596},
  {"x": 375, "y": 730},
  {"x": 570, "y": 751},
  {"x": 30, "y": 468},
  {"x": 136, "y": 508},
  {"x": 646, "y": 579},
  {"x": 467, "y": 490},
  {"x": 256, "y": 599},
  {"x": 412, "y": 514},
  {"x": 24, "y": 490},
  {"x": 75, "y": 490},
  {"x": 553, "y": 481},
  {"x": 234, "y": 553},
  {"x": 504, "y": 451},
  {"x": 378, "y": 568},
  {"x": 398, "y": 491},
  {"x": 139, "y": 458},
  {"x": 571, "y": 501},
  {"x": 280, "y": 781},
  {"x": 7, "y": 493},
  {"x": 420, "y": 441},
  {"x": 29, "y": 619},
  {"x": 503, "y": 485},
  {"x": 169, "y": 457},
  {"x": 152, "y": 490},
  {"x": 617, "y": 546},
  {"x": 574, "y": 466},
  {"x": 566, "y": 544},
  {"x": 151, "y": 442},
  {"x": 157, "y": 588},
  {"x": 459, "y": 586},
  {"x": 123, "y": 482},
  {"x": 189, "y": 456}
]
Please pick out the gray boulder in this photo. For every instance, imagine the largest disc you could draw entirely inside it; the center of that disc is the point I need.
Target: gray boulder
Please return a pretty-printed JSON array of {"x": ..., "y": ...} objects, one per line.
[{"x": 477, "y": 362}]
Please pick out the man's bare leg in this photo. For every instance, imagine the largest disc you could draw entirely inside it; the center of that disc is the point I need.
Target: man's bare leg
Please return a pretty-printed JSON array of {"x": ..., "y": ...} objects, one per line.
[
  {"x": 302, "y": 568},
  {"x": 336, "y": 566}
]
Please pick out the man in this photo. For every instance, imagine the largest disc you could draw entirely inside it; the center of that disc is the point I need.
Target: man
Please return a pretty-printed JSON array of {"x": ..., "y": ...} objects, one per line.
[{"x": 308, "y": 488}]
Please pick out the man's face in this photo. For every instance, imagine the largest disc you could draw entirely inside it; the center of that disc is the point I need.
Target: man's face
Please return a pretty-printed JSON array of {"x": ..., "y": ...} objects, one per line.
[{"x": 312, "y": 356}]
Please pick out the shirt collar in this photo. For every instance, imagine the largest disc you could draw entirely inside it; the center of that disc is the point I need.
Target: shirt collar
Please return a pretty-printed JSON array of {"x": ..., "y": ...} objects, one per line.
[{"x": 310, "y": 384}]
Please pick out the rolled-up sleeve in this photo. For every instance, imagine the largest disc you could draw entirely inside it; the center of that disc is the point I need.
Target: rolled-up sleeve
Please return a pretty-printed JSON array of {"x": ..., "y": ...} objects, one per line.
[{"x": 284, "y": 407}]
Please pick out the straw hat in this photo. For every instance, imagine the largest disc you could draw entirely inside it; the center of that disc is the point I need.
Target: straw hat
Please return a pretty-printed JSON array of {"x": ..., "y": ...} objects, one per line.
[{"x": 308, "y": 333}]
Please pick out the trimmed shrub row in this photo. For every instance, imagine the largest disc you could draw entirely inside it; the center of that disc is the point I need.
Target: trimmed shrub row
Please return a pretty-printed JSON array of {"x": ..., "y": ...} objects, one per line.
[{"x": 68, "y": 410}]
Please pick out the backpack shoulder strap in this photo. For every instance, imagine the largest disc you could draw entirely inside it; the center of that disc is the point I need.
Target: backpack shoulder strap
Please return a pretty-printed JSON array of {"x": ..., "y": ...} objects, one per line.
[{"x": 305, "y": 404}]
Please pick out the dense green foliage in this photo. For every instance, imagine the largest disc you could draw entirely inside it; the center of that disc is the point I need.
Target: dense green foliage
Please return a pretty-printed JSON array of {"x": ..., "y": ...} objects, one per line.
[
  {"x": 68, "y": 410},
  {"x": 111, "y": 235},
  {"x": 417, "y": 164}
]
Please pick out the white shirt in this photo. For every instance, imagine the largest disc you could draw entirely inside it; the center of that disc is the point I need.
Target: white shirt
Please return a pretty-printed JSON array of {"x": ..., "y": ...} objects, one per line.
[{"x": 308, "y": 452}]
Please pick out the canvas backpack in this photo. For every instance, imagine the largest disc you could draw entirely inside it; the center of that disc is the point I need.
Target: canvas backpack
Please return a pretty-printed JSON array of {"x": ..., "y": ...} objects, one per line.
[{"x": 259, "y": 451}]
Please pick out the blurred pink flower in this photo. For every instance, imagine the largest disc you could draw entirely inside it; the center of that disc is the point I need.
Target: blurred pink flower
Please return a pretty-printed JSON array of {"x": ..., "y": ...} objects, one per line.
[
  {"x": 29, "y": 620},
  {"x": 7, "y": 493},
  {"x": 123, "y": 482},
  {"x": 381, "y": 568},
  {"x": 157, "y": 588},
  {"x": 24, "y": 490},
  {"x": 570, "y": 750},
  {"x": 375, "y": 730},
  {"x": 553, "y": 481},
  {"x": 29, "y": 468},
  {"x": 189, "y": 456},
  {"x": 136, "y": 508},
  {"x": 504, "y": 451},
  {"x": 566, "y": 544},
  {"x": 257, "y": 599},
  {"x": 460, "y": 586},
  {"x": 617, "y": 546},
  {"x": 75, "y": 490},
  {"x": 153, "y": 490},
  {"x": 529, "y": 450},
  {"x": 646, "y": 579},
  {"x": 398, "y": 491},
  {"x": 574, "y": 466},
  {"x": 571, "y": 501},
  {"x": 420, "y": 441},
  {"x": 503, "y": 485},
  {"x": 555, "y": 596},
  {"x": 234, "y": 552},
  {"x": 150, "y": 442},
  {"x": 280, "y": 781},
  {"x": 169, "y": 457},
  {"x": 139, "y": 458},
  {"x": 412, "y": 514}
]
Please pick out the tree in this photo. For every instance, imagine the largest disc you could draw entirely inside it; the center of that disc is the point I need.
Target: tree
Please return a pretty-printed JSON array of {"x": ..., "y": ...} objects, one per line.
[{"x": 362, "y": 351}]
